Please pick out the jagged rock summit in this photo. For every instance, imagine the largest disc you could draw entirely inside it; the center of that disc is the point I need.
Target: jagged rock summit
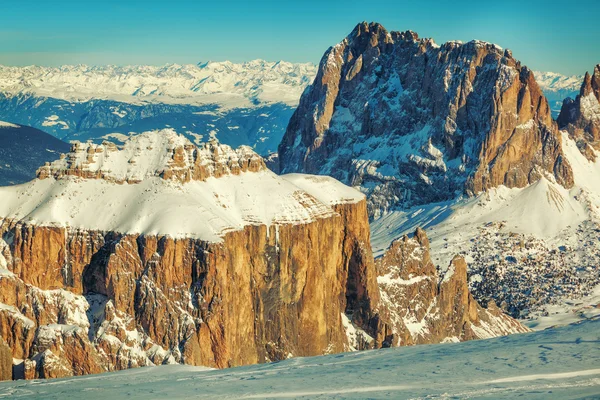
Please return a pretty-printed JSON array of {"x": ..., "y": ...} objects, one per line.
[
  {"x": 163, "y": 154},
  {"x": 581, "y": 116},
  {"x": 411, "y": 122}
]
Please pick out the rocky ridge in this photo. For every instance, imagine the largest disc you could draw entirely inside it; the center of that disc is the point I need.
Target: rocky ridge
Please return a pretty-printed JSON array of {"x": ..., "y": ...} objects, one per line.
[
  {"x": 165, "y": 155},
  {"x": 426, "y": 307},
  {"x": 581, "y": 116},
  {"x": 411, "y": 122}
]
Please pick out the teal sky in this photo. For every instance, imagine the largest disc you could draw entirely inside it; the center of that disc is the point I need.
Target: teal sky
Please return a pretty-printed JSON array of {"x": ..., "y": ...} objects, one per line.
[{"x": 544, "y": 35}]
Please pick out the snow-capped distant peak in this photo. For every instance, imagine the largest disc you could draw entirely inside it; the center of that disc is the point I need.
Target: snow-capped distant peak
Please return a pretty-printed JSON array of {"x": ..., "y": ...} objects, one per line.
[
  {"x": 4, "y": 124},
  {"x": 552, "y": 81},
  {"x": 558, "y": 87},
  {"x": 224, "y": 83}
]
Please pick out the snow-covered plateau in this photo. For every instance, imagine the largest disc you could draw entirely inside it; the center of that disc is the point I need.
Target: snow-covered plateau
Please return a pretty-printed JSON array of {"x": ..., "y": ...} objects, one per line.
[
  {"x": 131, "y": 197},
  {"x": 560, "y": 363}
]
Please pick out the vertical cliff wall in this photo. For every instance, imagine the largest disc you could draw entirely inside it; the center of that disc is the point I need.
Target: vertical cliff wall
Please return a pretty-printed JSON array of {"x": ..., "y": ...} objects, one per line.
[{"x": 78, "y": 301}]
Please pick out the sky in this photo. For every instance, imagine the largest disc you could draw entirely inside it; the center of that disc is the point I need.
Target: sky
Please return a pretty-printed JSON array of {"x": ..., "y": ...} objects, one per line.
[{"x": 545, "y": 35}]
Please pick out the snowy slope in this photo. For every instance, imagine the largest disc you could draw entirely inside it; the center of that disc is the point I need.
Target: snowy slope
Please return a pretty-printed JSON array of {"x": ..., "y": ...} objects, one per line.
[
  {"x": 558, "y": 87},
  {"x": 543, "y": 209},
  {"x": 539, "y": 244},
  {"x": 199, "y": 209},
  {"x": 225, "y": 83},
  {"x": 559, "y": 363}
]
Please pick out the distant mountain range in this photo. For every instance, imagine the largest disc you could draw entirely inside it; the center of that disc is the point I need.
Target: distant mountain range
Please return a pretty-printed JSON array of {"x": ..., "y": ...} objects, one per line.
[
  {"x": 224, "y": 83},
  {"x": 558, "y": 87},
  {"x": 248, "y": 103}
]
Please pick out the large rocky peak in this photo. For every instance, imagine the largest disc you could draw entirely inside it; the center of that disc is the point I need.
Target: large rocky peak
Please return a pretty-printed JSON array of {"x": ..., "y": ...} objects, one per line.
[
  {"x": 412, "y": 122},
  {"x": 581, "y": 116},
  {"x": 428, "y": 307},
  {"x": 163, "y": 153}
]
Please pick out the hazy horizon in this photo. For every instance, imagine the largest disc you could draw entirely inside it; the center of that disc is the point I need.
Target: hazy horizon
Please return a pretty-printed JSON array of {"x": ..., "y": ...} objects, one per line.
[{"x": 68, "y": 32}]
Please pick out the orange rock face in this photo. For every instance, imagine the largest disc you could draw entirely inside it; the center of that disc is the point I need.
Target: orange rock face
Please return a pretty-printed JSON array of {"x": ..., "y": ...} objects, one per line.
[
  {"x": 522, "y": 141},
  {"x": 5, "y": 361},
  {"x": 78, "y": 302}
]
